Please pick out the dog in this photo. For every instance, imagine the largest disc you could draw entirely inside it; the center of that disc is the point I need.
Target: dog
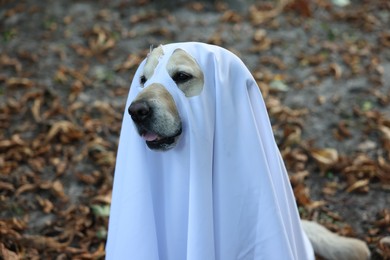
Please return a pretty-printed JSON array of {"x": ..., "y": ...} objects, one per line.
[{"x": 157, "y": 120}]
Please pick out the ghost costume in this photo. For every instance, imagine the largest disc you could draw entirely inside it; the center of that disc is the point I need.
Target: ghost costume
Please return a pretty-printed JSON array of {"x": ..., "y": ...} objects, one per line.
[{"x": 222, "y": 192}]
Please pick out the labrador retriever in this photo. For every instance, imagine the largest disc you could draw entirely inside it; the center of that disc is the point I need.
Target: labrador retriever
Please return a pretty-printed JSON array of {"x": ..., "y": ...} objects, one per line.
[{"x": 157, "y": 121}]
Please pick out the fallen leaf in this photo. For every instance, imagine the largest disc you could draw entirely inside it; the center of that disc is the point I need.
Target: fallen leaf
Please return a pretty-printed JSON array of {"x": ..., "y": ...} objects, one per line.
[
  {"x": 43, "y": 242},
  {"x": 273, "y": 60},
  {"x": 6, "y": 186},
  {"x": 330, "y": 188},
  {"x": 7, "y": 254},
  {"x": 301, "y": 6},
  {"x": 231, "y": 17},
  {"x": 19, "y": 82},
  {"x": 327, "y": 156},
  {"x": 336, "y": 69},
  {"x": 66, "y": 129},
  {"x": 385, "y": 39},
  {"x": 384, "y": 247},
  {"x": 361, "y": 185},
  {"x": 258, "y": 16},
  {"x": 316, "y": 204},
  {"x": 302, "y": 195},
  {"x": 298, "y": 177},
  {"x": 47, "y": 205},
  {"x": 385, "y": 132},
  {"x": 7, "y": 61},
  {"x": 36, "y": 109},
  {"x": 384, "y": 219},
  {"x": 131, "y": 62},
  {"x": 25, "y": 188},
  {"x": 196, "y": 6},
  {"x": 58, "y": 190},
  {"x": 102, "y": 199}
]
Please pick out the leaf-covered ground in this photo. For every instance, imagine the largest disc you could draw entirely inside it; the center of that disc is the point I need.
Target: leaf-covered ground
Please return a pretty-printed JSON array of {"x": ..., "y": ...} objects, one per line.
[{"x": 65, "y": 68}]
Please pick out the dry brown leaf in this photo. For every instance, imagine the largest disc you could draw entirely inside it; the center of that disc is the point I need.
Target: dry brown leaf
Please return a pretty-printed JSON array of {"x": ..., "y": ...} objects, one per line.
[
  {"x": 58, "y": 190},
  {"x": 7, "y": 254},
  {"x": 43, "y": 242},
  {"x": 258, "y": 16},
  {"x": 14, "y": 141},
  {"x": 292, "y": 135},
  {"x": 336, "y": 69},
  {"x": 19, "y": 82},
  {"x": 302, "y": 194},
  {"x": 384, "y": 247},
  {"x": 298, "y": 177},
  {"x": 25, "y": 188},
  {"x": 264, "y": 88},
  {"x": 384, "y": 220},
  {"x": 6, "y": 186},
  {"x": 81, "y": 50},
  {"x": 78, "y": 74},
  {"x": 385, "y": 132},
  {"x": 231, "y": 17},
  {"x": 261, "y": 46},
  {"x": 100, "y": 40},
  {"x": 273, "y": 60},
  {"x": 315, "y": 204},
  {"x": 330, "y": 188},
  {"x": 385, "y": 39},
  {"x": 99, "y": 253},
  {"x": 7, "y": 61},
  {"x": 60, "y": 75},
  {"x": 141, "y": 17},
  {"x": 313, "y": 60},
  {"x": 301, "y": 6},
  {"x": 383, "y": 173},
  {"x": 104, "y": 107},
  {"x": 106, "y": 198},
  {"x": 326, "y": 157},
  {"x": 327, "y": 70},
  {"x": 259, "y": 35},
  {"x": 47, "y": 205},
  {"x": 196, "y": 6},
  {"x": 342, "y": 131},
  {"x": 65, "y": 129},
  {"x": 86, "y": 178},
  {"x": 361, "y": 185},
  {"x": 36, "y": 109},
  {"x": 131, "y": 62},
  {"x": 106, "y": 159},
  {"x": 216, "y": 38},
  {"x": 60, "y": 168}
]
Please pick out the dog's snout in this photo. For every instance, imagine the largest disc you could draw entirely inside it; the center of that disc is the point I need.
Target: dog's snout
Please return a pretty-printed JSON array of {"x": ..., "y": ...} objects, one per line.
[{"x": 139, "y": 111}]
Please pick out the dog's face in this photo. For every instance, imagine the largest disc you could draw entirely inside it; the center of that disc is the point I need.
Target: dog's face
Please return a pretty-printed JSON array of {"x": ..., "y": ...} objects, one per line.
[{"x": 154, "y": 111}]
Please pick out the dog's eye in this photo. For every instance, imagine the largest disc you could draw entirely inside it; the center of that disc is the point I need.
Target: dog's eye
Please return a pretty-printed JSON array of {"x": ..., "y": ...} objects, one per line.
[
  {"x": 181, "y": 77},
  {"x": 142, "y": 79}
]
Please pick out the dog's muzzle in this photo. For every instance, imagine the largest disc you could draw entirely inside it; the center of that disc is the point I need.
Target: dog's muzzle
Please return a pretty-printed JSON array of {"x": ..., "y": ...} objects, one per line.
[{"x": 149, "y": 124}]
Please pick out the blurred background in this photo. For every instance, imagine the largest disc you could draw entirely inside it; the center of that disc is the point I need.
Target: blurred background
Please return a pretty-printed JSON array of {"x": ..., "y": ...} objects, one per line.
[{"x": 323, "y": 67}]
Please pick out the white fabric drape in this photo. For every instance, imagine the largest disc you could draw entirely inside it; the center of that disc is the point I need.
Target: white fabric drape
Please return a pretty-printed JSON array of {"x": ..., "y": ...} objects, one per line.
[{"x": 223, "y": 192}]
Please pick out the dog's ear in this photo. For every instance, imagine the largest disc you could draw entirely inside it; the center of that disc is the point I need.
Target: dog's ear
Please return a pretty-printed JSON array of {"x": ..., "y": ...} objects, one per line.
[
  {"x": 151, "y": 62},
  {"x": 186, "y": 73}
]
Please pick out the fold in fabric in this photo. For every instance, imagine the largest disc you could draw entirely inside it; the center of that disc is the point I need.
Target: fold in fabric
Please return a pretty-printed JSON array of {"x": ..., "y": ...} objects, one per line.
[{"x": 222, "y": 192}]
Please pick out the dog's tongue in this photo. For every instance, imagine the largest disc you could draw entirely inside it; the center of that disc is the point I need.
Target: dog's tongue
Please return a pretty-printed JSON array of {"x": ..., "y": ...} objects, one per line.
[{"x": 148, "y": 136}]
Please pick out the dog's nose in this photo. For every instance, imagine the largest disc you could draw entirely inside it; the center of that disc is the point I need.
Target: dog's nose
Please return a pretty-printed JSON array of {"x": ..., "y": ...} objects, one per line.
[{"x": 139, "y": 111}]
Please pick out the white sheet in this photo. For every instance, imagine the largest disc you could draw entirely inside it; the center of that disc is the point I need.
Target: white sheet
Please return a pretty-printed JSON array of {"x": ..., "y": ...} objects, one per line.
[{"x": 222, "y": 192}]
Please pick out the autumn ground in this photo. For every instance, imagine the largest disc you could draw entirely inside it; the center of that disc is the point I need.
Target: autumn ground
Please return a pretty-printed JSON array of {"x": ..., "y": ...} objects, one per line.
[{"x": 65, "y": 68}]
